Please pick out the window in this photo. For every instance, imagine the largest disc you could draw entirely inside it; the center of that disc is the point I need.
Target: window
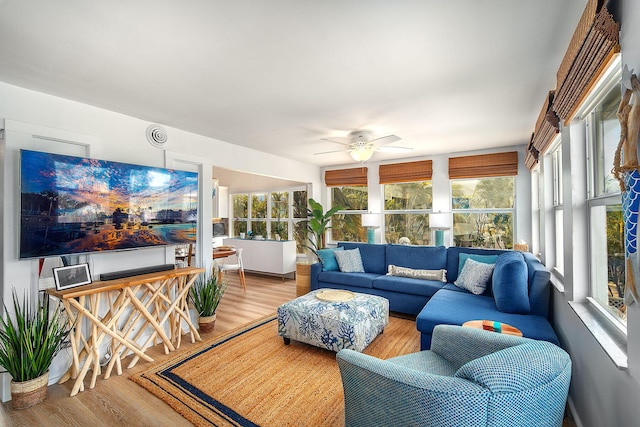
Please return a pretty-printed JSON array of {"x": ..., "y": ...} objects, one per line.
[
  {"x": 406, "y": 212},
  {"x": 483, "y": 210},
  {"x": 346, "y": 224},
  {"x": 606, "y": 225},
  {"x": 240, "y": 214},
  {"x": 558, "y": 201},
  {"x": 278, "y": 214},
  {"x": 298, "y": 221},
  {"x": 348, "y": 190},
  {"x": 258, "y": 214},
  {"x": 408, "y": 201}
]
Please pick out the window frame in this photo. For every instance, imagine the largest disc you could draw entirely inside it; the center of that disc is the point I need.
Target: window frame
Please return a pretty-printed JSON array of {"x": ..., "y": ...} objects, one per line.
[
  {"x": 596, "y": 197},
  {"x": 269, "y": 219},
  {"x": 426, "y": 211},
  {"x": 512, "y": 210},
  {"x": 357, "y": 215}
]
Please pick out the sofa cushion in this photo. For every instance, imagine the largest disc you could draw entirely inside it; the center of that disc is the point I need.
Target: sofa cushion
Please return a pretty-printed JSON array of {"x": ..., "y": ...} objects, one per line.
[
  {"x": 349, "y": 261},
  {"x": 439, "y": 275},
  {"x": 361, "y": 280},
  {"x": 475, "y": 276},
  {"x": 510, "y": 286},
  {"x": 373, "y": 256},
  {"x": 454, "y": 308},
  {"x": 417, "y": 257},
  {"x": 407, "y": 285},
  {"x": 453, "y": 258},
  {"x": 328, "y": 259},
  {"x": 485, "y": 259}
]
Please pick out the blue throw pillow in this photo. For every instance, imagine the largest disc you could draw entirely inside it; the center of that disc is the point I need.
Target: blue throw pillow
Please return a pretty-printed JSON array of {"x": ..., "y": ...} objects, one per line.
[
  {"x": 328, "y": 259},
  {"x": 511, "y": 284},
  {"x": 486, "y": 259}
]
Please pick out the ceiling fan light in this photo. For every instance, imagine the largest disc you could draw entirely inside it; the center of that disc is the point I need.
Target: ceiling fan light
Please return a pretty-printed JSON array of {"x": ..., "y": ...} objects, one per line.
[{"x": 362, "y": 154}]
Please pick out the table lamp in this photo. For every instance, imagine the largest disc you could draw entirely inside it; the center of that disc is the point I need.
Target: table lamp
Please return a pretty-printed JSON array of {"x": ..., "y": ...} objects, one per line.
[
  {"x": 439, "y": 222},
  {"x": 371, "y": 221}
]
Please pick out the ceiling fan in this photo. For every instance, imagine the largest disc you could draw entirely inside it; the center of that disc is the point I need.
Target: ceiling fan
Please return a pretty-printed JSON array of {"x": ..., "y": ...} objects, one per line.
[{"x": 361, "y": 145}]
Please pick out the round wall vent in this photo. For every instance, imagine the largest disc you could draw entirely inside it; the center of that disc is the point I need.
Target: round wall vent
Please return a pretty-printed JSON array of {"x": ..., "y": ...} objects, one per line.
[{"x": 157, "y": 136}]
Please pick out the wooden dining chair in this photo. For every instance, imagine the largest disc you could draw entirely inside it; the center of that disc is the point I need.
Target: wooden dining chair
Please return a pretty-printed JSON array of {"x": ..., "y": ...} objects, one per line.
[
  {"x": 189, "y": 254},
  {"x": 237, "y": 266}
]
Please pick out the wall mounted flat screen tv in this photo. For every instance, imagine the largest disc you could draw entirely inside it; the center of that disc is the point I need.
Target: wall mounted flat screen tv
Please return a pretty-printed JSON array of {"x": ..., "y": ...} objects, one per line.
[{"x": 71, "y": 205}]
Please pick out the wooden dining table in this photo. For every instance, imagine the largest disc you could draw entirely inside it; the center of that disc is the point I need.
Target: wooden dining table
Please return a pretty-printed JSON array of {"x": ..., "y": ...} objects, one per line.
[{"x": 223, "y": 253}]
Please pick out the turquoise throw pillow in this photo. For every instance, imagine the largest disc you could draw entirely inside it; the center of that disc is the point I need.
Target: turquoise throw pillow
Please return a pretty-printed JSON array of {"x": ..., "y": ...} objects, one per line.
[
  {"x": 510, "y": 284},
  {"x": 485, "y": 259},
  {"x": 328, "y": 259}
]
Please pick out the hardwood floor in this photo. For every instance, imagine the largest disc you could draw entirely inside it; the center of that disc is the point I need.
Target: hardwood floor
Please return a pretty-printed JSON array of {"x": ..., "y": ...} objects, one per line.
[{"x": 119, "y": 401}]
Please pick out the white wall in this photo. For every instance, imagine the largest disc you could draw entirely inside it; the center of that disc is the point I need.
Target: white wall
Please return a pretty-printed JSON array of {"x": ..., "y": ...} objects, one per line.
[{"x": 116, "y": 137}]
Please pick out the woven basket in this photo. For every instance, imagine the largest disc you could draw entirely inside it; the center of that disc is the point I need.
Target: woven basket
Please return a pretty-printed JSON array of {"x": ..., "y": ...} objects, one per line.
[
  {"x": 25, "y": 394},
  {"x": 206, "y": 324}
]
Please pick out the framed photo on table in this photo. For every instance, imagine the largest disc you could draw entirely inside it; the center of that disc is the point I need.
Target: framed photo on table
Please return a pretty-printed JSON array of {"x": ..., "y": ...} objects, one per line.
[{"x": 71, "y": 276}]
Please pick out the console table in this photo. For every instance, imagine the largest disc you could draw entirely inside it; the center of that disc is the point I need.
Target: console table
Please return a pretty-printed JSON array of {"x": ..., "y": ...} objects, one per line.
[{"x": 130, "y": 306}]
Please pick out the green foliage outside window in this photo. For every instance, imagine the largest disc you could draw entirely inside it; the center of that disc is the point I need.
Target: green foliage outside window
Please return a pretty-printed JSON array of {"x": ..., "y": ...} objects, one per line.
[
  {"x": 488, "y": 222},
  {"x": 615, "y": 260},
  {"x": 240, "y": 205},
  {"x": 258, "y": 205},
  {"x": 347, "y": 227},
  {"x": 350, "y": 198},
  {"x": 408, "y": 196}
]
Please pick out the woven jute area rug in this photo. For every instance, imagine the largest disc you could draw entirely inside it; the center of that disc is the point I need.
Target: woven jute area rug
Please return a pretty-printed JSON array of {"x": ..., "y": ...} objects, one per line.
[{"x": 249, "y": 377}]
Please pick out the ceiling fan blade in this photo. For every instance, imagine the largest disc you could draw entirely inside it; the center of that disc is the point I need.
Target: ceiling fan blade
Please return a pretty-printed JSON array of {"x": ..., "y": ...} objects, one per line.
[
  {"x": 384, "y": 140},
  {"x": 328, "y": 152},
  {"x": 337, "y": 140},
  {"x": 394, "y": 149}
]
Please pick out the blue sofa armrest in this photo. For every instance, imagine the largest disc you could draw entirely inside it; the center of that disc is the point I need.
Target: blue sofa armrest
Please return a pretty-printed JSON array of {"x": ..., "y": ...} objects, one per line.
[
  {"x": 539, "y": 285},
  {"x": 316, "y": 268},
  {"x": 382, "y": 393}
]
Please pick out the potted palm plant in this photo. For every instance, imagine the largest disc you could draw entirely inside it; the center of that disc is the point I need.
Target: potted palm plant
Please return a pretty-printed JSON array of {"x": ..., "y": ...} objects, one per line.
[
  {"x": 317, "y": 225},
  {"x": 205, "y": 295},
  {"x": 28, "y": 344}
]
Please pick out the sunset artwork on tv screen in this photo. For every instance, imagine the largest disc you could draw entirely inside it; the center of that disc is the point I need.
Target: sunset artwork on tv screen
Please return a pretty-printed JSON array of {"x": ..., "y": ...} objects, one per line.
[{"x": 72, "y": 205}]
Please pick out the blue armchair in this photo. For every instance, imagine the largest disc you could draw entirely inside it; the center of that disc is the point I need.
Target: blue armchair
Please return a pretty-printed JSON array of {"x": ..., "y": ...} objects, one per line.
[{"x": 469, "y": 377}]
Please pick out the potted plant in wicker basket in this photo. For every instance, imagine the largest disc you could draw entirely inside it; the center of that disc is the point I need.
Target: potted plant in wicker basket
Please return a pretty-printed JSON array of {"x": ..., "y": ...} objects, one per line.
[
  {"x": 205, "y": 295},
  {"x": 28, "y": 343},
  {"x": 317, "y": 224}
]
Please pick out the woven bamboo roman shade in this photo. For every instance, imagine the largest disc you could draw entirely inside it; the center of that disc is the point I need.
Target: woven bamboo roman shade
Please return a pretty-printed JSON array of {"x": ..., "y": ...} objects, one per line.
[
  {"x": 356, "y": 177},
  {"x": 547, "y": 127},
  {"x": 594, "y": 43},
  {"x": 406, "y": 172},
  {"x": 484, "y": 165}
]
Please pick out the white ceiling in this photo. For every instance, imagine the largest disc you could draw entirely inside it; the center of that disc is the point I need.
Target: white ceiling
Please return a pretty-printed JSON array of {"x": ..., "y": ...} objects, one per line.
[{"x": 279, "y": 75}]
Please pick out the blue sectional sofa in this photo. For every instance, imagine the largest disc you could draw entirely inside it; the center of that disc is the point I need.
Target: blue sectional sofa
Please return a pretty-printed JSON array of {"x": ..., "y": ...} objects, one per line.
[{"x": 436, "y": 302}]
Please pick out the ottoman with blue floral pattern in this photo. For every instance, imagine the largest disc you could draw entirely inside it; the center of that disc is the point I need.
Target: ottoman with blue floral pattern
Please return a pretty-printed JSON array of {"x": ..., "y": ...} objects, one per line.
[{"x": 350, "y": 324}]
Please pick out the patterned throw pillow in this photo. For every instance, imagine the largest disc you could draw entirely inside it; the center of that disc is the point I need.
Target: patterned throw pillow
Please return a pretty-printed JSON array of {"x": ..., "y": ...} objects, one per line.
[
  {"x": 349, "y": 261},
  {"x": 474, "y": 276},
  {"x": 439, "y": 275}
]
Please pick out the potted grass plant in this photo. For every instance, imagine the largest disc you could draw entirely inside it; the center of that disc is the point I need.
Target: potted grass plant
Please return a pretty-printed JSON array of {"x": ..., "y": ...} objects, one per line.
[
  {"x": 28, "y": 343},
  {"x": 205, "y": 295}
]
